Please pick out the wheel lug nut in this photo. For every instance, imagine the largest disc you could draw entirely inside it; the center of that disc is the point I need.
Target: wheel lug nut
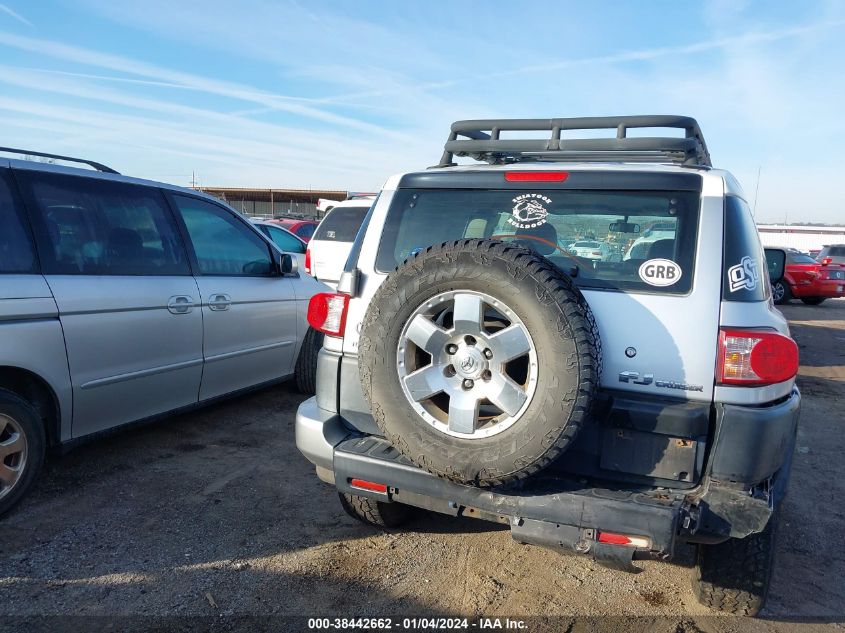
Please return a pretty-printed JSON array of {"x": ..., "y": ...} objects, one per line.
[
  {"x": 468, "y": 384},
  {"x": 451, "y": 348},
  {"x": 488, "y": 353},
  {"x": 486, "y": 374}
]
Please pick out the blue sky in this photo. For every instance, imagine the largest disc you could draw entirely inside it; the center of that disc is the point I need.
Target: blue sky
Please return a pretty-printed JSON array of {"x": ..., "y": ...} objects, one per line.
[{"x": 342, "y": 94}]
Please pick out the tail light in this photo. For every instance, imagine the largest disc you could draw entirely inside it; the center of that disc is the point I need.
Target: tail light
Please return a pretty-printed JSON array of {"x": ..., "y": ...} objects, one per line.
[
  {"x": 826, "y": 261},
  {"x": 596, "y": 252},
  {"x": 308, "y": 261},
  {"x": 327, "y": 313},
  {"x": 755, "y": 357}
]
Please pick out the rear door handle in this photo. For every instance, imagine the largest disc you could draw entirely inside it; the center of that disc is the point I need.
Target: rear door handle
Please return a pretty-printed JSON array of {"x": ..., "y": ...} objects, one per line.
[
  {"x": 180, "y": 304},
  {"x": 219, "y": 301}
]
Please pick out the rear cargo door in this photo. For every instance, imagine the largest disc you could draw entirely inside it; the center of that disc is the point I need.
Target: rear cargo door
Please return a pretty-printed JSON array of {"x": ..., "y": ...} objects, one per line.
[
  {"x": 332, "y": 242},
  {"x": 657, "y": 305}
]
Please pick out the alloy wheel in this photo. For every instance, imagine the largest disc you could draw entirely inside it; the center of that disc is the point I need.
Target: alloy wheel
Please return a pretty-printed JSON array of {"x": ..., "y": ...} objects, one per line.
[{"x": 467, "y": 364}]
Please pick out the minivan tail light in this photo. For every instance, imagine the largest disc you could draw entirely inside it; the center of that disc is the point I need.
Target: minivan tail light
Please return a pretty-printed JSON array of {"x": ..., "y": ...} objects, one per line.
[
  {"x": 826, "y": 261},
  {"x": 327, "y": 313},
  {"x": 308, "y": 261},
  {"x": 755, "y": 357},
  {"x": 536, "y": 176}
]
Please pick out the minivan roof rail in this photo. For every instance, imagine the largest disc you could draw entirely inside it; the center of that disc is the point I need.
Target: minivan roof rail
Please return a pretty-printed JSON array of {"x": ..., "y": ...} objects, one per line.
[
  {"x": 91, "y": 163},
  {"x": 481, "y": 140}
]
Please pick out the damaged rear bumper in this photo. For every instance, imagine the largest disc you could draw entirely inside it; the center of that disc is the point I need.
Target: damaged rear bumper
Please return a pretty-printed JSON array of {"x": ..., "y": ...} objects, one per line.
[{"x": 736, "y": 497}]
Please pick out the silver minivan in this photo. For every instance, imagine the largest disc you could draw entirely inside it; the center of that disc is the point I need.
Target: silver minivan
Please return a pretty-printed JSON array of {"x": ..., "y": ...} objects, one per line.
[{"x": 122, "y": 300}]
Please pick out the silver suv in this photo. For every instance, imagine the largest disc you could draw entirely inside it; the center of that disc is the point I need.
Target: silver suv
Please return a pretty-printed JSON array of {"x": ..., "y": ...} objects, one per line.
[
  {"x": 474, "y": 365},
  {"x": 122, "y": 300}
]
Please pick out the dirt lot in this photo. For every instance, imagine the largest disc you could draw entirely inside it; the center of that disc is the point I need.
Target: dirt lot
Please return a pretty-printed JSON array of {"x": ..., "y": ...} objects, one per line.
[{"x": 216, "y": 512}]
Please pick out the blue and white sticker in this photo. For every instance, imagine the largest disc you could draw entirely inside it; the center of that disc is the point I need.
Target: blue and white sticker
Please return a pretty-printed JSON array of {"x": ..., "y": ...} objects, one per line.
[{"x": 660, "y": 272}]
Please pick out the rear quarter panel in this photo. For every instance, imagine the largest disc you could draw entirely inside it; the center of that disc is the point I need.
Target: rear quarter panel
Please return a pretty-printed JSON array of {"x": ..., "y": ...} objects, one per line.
[{"x": 31, "y": 338}]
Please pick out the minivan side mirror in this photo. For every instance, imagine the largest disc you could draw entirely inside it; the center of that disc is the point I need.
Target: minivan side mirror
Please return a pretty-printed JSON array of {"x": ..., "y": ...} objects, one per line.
[
  {"x": 775, "y": 262},
  {"x": 287, "y": 264}
]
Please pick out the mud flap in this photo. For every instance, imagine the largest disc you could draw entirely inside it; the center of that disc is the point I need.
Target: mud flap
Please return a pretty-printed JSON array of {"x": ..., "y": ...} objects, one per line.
[
  {"x": 618, "y": 557},
  {"x": 559, "y": 537}
]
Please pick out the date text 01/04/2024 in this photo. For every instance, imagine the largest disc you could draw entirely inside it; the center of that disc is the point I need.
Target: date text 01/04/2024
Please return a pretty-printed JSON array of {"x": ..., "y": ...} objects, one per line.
[{"x": 415, "y": 624}]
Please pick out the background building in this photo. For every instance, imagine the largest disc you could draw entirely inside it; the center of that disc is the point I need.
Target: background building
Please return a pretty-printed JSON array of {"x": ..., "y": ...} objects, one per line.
[
  {"x": 801, "y": 236},
  {"x": 274, "y": 202}
]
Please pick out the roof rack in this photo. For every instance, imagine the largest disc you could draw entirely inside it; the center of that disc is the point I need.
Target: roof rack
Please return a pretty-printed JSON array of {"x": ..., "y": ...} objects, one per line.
[
  {"x": 95, "y": 165},
  {"x": 480, "y": 139}
]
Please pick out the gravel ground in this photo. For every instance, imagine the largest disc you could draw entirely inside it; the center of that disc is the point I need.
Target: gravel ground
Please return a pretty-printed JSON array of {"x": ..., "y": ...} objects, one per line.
[{"x": 216, "y": 513}]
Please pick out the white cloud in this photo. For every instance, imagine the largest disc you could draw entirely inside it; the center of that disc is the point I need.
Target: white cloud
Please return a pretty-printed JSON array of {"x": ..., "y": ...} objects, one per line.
[
  {"x": 15, "y": 15},
  {"x": 217, "y": 87}
]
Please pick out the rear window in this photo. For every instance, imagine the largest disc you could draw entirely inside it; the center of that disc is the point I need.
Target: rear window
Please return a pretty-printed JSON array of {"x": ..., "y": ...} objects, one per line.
[
  {"x": 836, "y": 251},
  {"x": 646, "y": 238},
  {"x": 745, "y": 272},
  {"x": 17, "y": 252},
  {"x": 341, "y": 224},
  {"x": 305, "y": 231},
  {"x": 799, "y": 258}
]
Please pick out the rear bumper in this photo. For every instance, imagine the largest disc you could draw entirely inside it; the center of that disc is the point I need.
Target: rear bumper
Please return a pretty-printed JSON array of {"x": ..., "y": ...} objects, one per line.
[
  {"x": 828, "y": 288},
  {"x": 748, "y": 468}
]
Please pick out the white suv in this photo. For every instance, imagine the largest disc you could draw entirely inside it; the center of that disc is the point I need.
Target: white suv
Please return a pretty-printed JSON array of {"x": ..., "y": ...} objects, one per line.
[
  {"x": 614, "y": 408},
  {"x": 332, "y": 241}
]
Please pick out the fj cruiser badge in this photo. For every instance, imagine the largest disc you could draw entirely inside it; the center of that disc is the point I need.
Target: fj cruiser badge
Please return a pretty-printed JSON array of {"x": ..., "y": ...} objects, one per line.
[
  {"x": 528, "y": 210},
  {"x": 660, "y": 272},
  {"x": 743, "y": 276},
  {"x": 634, "y": 377}
]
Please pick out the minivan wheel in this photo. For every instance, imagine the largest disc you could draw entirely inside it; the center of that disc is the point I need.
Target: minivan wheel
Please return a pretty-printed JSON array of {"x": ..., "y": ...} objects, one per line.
[
  {"x": 306, "y": 364},
  {"x": 22, "y": 447},
  {"x": 734, "y": 576},
  {"x": 376, "y": 513},
  {"x": 479, "y": 360},
  {"x": 781, "y": 293}
]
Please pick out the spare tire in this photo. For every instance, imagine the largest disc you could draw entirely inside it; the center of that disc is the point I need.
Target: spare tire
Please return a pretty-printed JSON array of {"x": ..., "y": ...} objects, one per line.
[{"x": 480, "y": 361}]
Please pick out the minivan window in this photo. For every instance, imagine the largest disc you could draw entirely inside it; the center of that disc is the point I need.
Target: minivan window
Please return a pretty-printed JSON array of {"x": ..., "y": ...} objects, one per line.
[
  {"x": 90, "y": 226},
  {"x": 17, "y": 252},
  {"x": 629, "y": 228},
  {"x": 341, "y": 224},
  {"x": 223, "y": 244}
]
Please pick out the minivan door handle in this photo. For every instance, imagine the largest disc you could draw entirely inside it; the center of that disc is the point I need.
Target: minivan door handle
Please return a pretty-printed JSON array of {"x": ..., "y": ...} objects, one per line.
[
  {"x": 180, "y": 304},
  {"x": 219, "y": 301}
]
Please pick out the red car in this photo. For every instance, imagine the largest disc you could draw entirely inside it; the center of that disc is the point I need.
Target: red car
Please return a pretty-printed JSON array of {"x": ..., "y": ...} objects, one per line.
[
  {"x": 303, "y": 229},
  {"x": 806, "y": 279}
]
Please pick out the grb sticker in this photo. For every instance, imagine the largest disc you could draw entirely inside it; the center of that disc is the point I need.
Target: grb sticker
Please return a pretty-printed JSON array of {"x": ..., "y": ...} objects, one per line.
[
  {"x": 744, "y": 276},
  {"x": 660, "y": 272},
  {"x": 528, "y": 210}
]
